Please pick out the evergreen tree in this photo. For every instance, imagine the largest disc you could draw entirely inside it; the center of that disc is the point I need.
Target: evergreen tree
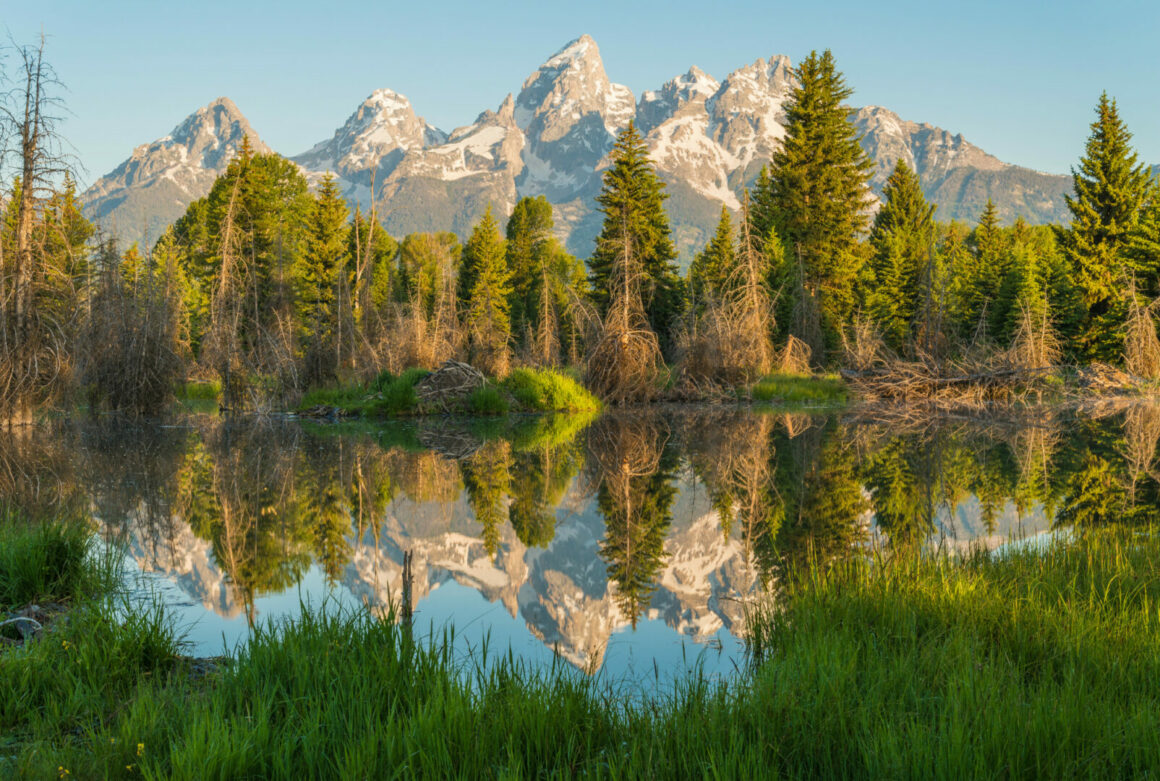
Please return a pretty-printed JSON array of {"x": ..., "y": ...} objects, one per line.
[
  {"x": 488, "y": 323},
  {"x": 1143, "y": 250},
  {"x": 529, "y": 239},
  {"x": 817, "y": 198},
  {"x": 982, "y": 278},
  {"x": 901, "y": 263},
  {"x": 372, "y": 271},
  {"x": 1111, "y": 188},
  {"x": 319, "y": 279},
  {"x": 714, "y": 266},
  {"x": 427, "y": 269},
  {"x": 632, "y": 201}
]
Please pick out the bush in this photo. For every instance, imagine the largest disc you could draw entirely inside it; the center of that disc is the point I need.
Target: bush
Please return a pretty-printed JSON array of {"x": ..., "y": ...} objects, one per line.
[
  {"x": 545, "y": 390},
  {"x": 398, "y": 396},
  {"x": 208, "y": 390},
  {"x": 488, "y": 401}
]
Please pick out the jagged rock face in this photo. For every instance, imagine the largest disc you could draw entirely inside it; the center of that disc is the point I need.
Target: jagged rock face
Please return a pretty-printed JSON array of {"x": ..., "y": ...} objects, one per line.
[
  {"x": 955, "y": 174},
  {"x": 376, "y": 136},
  {"x": 747, "y": 115},
  {"x": 708, "y": 140},
  {"x": 448, "y": 186},
  {"x": 570, "y": 113},
  {"x": 157, "y": 183}
]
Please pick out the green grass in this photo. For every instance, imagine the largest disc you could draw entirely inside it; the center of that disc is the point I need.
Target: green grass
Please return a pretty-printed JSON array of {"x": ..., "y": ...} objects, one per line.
[
  {"x": 46, "y": 560},
  {"x": 210, "y": 390},
  {"x": 534, "y": 390},
  {"x": 385, "y": 396},
  {"x": 804, "y": 389},
  {"x": 488, "y": 400},
  {"x": 546, "y": 390},
  {"x": 1033, "y": 664}
]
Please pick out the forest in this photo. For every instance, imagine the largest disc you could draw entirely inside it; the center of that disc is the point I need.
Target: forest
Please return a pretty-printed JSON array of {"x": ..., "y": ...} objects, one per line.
[{"x": 271, "y": 287}]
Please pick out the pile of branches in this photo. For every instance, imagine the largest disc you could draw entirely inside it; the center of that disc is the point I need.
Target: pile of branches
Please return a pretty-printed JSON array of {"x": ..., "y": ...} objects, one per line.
[
  {"x": 980, "y": 376},
  {"x": 965, "y": 381},
  {"x": 453, "y": 381}
]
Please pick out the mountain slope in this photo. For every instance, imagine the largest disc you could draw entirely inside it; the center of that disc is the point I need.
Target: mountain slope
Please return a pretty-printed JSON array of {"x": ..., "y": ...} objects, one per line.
[
  {"x": 149, "y": 191},
  {"x": 708, "y": 139}
]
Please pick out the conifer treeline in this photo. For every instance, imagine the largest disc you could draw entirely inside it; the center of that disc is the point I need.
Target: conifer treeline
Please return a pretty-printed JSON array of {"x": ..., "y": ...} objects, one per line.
[{"x": 274, "y": 287}]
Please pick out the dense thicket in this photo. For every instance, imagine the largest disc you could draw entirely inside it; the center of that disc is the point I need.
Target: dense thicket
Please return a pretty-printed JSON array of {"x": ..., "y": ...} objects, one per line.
[{"x": 271, "y": 285}]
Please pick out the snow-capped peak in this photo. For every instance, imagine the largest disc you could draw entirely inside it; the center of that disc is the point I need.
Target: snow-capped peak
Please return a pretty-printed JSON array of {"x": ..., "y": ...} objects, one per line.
[
  {"x": 573, "y": 52},
  {"x": 383, "y": 124}
]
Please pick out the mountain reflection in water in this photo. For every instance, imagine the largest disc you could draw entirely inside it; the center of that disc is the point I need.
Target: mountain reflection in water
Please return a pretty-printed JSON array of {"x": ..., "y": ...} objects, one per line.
[{"x": 561, "y": 534}]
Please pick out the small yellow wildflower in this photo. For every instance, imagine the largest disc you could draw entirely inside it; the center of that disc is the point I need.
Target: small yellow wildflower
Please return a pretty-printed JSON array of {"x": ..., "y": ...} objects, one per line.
[
  {"x": 140, "y": 749},
  {"x": 62, "y": 771}
]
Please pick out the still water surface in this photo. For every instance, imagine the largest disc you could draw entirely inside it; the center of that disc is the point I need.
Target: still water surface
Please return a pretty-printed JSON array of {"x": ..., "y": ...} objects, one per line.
[{"x": 630, "y": 545}]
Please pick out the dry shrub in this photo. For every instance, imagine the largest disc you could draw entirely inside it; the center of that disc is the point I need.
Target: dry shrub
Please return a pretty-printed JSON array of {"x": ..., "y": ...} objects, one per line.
[
  {"x": 622, "y": 448},
  {"x": 1141, "y": 346},
  {"x": 1141, "y": 437},
  {"x": 415, "y": 339},
  {"x": 35, "y": 365},
  {"x": 131, "y": 361},
  {"x": 795, "y": 357},
  {"x": 863, "y": 345},
  {"x": 425, "y": 476},
  {"x": 1035, "y": 344},
  {"x": 727, "y": 347},
  {"x": 625, "y": 363}
]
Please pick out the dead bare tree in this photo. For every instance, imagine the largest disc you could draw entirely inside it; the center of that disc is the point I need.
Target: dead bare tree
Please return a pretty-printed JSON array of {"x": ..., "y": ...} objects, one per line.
[
  {"x": 223, "y": 343},
  {"x": 1141, "y": 345},
  {"x": 731, "y": 342},
  {"x": 37, "y": 301}
]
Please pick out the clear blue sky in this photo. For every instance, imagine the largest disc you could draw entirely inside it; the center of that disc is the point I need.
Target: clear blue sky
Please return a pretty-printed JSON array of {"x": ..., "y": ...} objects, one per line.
[{"x": 1017, "y": 78}]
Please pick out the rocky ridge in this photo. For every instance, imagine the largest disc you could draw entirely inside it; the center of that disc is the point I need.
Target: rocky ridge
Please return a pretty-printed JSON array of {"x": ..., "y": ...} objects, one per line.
[{"x": 708, "y": 139}]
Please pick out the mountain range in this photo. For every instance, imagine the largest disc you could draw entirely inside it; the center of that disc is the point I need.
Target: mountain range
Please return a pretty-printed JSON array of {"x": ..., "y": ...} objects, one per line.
[{"x": 707, "y": 138}]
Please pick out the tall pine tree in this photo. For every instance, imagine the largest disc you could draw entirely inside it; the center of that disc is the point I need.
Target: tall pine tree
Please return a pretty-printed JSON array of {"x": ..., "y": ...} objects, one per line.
[
  {"x": 488, "y": 322},
  {"x": 901, "y": 263},
  {"x": 632, "y": 201},
  {"x": 817, "y": 198},
  {"x": 1111, "y": 188},
  {"x": 320, "y": 274},
  {"x": 710, "y": 272}
]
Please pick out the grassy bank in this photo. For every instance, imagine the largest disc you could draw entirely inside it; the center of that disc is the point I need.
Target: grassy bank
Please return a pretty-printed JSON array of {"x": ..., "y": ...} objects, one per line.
[
  {"x": 800, "y": 389},
  {"x": 1032, "y": 664},
  {"x": 523, "y": 390}
]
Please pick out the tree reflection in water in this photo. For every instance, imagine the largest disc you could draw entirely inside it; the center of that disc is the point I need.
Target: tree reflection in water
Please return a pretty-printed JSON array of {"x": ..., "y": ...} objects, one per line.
[{"x": 266, "y": 500}]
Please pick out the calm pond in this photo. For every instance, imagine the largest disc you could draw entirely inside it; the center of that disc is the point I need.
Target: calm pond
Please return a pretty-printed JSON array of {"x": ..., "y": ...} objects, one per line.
[{"x": 629, "y": 545}]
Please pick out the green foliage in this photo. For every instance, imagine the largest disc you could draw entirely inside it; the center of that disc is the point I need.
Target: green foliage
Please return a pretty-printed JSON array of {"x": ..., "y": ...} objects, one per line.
[
  {"x": 632, "y": 202},
  {"x": 545, "y": 390},
  {"x": 901, "y": 264},
  {"x": 713, "y": 268},
  {"x": 547, "y": 283},
  {"x": 488, "y": 400},
  {"x": 46, "y": 560},
  {"x": 484, "y": 275},
  {"x": 202, "y": 390},
  {"x": 1112, "y": 190},
  {"x": 427, "y": 265},
  {"x": 815, "y": 198}
]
